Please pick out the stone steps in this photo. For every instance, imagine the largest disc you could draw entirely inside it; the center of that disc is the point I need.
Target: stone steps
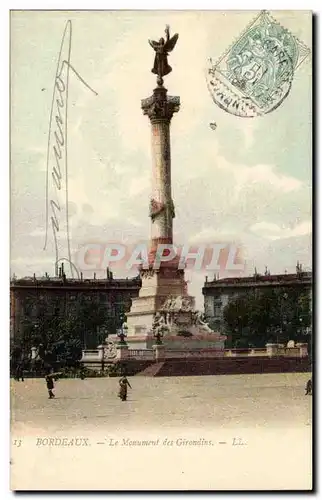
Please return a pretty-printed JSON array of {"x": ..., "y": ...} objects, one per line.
[
  {"x": 181, "y": 367},
  {"x": 216, "y": 366},
  {"x": 152, "y": 370}
]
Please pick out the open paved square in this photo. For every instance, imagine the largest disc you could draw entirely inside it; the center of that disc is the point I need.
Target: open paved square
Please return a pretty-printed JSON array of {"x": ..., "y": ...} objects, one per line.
[
  {"x": 222, "y": 432},
  {"x": 268, "y": 400}
]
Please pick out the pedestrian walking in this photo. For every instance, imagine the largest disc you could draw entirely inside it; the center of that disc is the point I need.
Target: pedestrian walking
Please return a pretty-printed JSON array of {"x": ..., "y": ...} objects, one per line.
[
  {"x": 50, "y": 386},
  {"x": 82, "y": 373},
  {"x": 124, "y": 383},
  {"x": 309, "y": 387},
  {"x": 19, "y": 373}
]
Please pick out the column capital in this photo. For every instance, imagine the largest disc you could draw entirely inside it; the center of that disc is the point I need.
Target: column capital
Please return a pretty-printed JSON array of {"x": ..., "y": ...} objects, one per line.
[{"x": 159, "y": 107}]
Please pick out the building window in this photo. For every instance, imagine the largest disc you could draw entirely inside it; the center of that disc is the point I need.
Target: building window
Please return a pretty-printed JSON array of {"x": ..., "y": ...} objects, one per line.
[{"x": 217, "y": 310}]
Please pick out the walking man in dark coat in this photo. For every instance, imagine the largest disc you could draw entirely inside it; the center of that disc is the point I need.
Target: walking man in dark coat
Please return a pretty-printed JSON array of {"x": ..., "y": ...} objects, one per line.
[
  {"x": 308, "y": 388},
  {"x": 124, "y": 383},
  {"x": 50, "y": 386}
]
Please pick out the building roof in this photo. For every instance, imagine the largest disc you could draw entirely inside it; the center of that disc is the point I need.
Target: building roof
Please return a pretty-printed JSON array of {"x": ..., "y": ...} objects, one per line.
[
  {"x": 259, "y": 280},
  {"x": 68, "y": 283}
]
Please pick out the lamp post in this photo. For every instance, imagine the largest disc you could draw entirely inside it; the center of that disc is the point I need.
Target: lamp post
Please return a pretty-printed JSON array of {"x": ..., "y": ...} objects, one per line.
[
  {"x": 283, "y": 321},
  {"x": 102, "y": 334},
  {"x": 105, "y": 333},
  {"x": 240, "y": 331},
  {"x": 301, "y": 327},
  {"x": 36, "y": 327},
  {"x": 122, "y": 334},
  {"x": 103, "y": 341}
]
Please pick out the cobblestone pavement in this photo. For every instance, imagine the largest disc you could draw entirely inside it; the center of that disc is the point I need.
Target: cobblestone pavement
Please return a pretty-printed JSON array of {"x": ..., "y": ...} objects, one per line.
[{"x": 267, "y": 400}]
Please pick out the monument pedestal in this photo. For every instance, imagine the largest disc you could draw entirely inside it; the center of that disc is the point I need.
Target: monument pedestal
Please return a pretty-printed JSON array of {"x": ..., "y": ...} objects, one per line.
[
  {"x": 157, "y": 286},
  {"x": 163, "y": 293}
]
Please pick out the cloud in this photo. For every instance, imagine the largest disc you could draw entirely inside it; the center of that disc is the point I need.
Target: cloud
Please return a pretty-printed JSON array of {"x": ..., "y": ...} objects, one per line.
[
  {"x": 301, "y": 229},
  {"x": 248, "y": 129},
  {"x": 265, "y": 174},
  {"x": 272, "y": 231}
]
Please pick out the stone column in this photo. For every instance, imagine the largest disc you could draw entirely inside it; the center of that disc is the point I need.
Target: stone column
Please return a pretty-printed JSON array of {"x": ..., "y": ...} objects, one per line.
[
  {"x": 100, "y": 352},
  {"x": 160, "y": 109},
  {"x": 159, "y": 350},
  {"x": 272, "y": 350},
  {"x": 158, "y": 282},
  {"x": 303, "y": 350}
]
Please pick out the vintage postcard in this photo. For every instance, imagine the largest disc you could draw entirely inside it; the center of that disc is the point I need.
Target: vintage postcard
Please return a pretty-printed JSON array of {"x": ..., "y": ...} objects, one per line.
[{"x": 161, "y": 268}]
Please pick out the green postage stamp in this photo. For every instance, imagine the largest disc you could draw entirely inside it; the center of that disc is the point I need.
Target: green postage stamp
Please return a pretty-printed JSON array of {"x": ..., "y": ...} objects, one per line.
[{"x": 255, "y": 75}]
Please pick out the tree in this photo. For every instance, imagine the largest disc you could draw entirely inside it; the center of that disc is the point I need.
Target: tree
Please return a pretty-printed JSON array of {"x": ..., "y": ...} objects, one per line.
[
  {"x": 59, "y": 333},
  {"x": 272, "y": 315}
]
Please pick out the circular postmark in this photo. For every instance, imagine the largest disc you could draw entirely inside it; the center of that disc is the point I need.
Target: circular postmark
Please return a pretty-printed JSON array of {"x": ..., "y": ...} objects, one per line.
[{"x": 255, "y": 75}]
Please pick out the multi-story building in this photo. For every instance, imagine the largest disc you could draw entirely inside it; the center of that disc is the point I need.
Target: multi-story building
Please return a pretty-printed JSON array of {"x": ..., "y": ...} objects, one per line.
[
  {"x": 219, "y": 292},
  {"x": 31, "y": 297}
]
